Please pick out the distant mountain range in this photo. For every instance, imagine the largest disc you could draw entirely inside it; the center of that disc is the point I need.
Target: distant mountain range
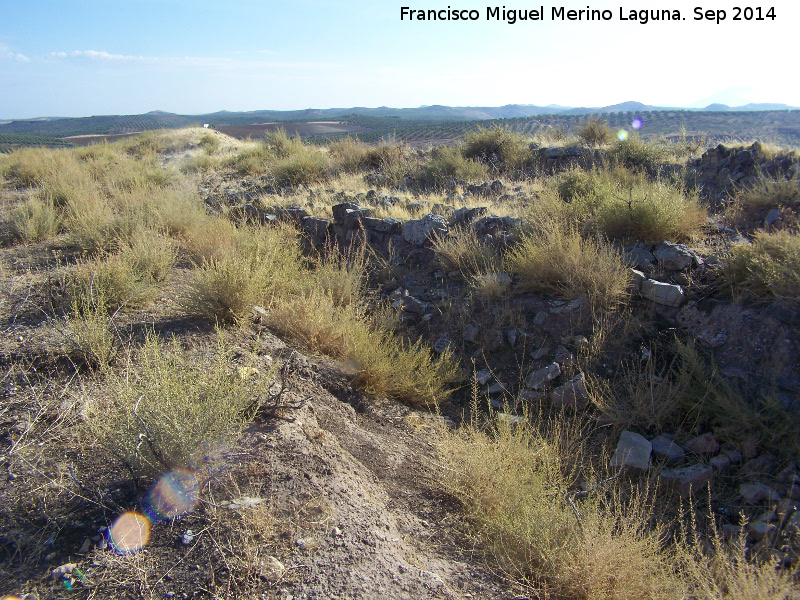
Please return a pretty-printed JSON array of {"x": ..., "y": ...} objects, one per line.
[
  {"x": 433, "y": 112},
  {"x": 776, "y": 120}
]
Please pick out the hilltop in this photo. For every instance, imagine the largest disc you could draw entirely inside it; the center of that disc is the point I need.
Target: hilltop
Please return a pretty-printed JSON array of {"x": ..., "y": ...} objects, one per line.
[{"x": 551, "y": 366}]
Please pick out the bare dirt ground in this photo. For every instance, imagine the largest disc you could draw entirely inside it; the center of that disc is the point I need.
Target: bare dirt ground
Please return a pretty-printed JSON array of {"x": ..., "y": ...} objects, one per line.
[
  {"x": 352, "y": 503},
  {"x": 367, "y": 471}
]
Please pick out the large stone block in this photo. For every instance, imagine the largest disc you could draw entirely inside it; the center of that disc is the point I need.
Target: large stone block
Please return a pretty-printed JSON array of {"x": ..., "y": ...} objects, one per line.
[
  {"x": 666, "y": 294},
  {"x": 418, "y": 231},
  {"x": 633, "y": 450}
]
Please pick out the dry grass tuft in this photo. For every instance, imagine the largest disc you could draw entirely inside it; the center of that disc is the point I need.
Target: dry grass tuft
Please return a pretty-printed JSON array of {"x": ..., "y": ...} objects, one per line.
[
  {"x": 406, "y": 371},
  {"x": 595, "y": 132},
  {"x": 35, "y": 220},
  {"x": 767, "y": 269},
  {"x": 239, "y": 268},
  {"x": 461, "y": 250},
  {"x": 500, "y": 148},
  {"x": 627, "y": 206},
  {"x": 448, "y": 164},
  {"x": 560, "y": 262},
  {"x": 514, "y": 482},
  {"x": 166, "y": 404}
]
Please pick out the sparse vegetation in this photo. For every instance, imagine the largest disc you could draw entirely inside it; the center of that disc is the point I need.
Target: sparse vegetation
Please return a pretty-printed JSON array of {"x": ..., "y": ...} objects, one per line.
[
  {"x": 515, "y": 482},
  {"x": 167, "y": 405},
  {"x": 239, "y": 269},
  {"x": 637, "y": 154},
  {"x": 35, "y": 220},
  {"x": 271, "y": 364},
  {"x": 626, "y": 206}
]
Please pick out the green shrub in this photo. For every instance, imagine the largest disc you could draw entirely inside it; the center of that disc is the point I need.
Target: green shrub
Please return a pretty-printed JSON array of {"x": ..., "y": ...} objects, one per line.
[
  {"x": 91, "y": 332},
  {"x": 167, "y": 405},
  {"x": 406, "y": 371},
  {"x": 576, "y": 183},
  {"x": 766, "y": 194},
  {"x": 595, "y": 132},
  {"x": 652, "y": 212},
  {"x": 108, "y": 282},
  {"x": 394, "y": 164},
  {"x": 149, "y": 143},
  {"x": 286, "y": 159},
  {"x": 95, "y": 227},
  {"x": 178, "y": 211},
  {"x": 350, "y": 154},
  {"x": 341, "y": 274},
  {"x": 209, "y": 143},
  {"x": 461, "y": 250},
  {"x": 637, "y": 154},
  {"x": 751, "y": 204},
  {"x": 151, "y": 256},
  {"x": 446, "y": 164},
  {"x": 310, "y": 166},
  {"x": 500, "y": 147},
  {"x": 627, "y": 206}
]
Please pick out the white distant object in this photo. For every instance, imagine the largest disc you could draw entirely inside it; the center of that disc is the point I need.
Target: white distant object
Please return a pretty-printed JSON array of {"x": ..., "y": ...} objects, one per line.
[{"x": 205, "y": 125}]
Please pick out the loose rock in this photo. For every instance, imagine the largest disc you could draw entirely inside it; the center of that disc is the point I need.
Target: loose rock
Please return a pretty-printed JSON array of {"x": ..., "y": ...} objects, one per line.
[
  {"x": 572, "y": 394},
  {"x": 755, "y": 493},
  {"x": 633, "y": 450},
  {"x": 539, "y": 379},
  {"x": 688, "y": 480}
]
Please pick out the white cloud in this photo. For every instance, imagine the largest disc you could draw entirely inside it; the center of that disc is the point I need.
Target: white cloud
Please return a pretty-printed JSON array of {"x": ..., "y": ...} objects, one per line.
[
  {"x": 206, "y": 62},
  {"x": 102, "y": 55},
  {"x": 7, "y": 53}
]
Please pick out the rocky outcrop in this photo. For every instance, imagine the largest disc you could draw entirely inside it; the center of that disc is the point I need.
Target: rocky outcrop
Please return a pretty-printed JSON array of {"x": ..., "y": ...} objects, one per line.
[{"x": 723, "y": 170}]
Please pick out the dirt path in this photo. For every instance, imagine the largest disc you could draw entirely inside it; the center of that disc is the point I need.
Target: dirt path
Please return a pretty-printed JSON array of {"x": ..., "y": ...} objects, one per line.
[{"x": 358, "y": 487}]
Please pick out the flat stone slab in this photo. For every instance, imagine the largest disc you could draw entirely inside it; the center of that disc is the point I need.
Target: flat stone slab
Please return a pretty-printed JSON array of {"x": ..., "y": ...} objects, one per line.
[
  {"x": 720, "y": 462},
  {"x": 755, "y": 493},
  {"x": 667, "y": 449},
  {"x": 539, "y": 379},
  {"x": 443, "y": 344},
  {"x": 483, "y": 376},
  {"x": 666, "y": 294},
  {"x": 418, "y": 231},
  {"x": 572, "y": 394},
  {"x": 703, "y": 444},
  {"x": 687, "y": 480},
  {"x": 758, "y": 530},
  {"x": 674, "y": 257},
  {"x": 633, "y": 450}
]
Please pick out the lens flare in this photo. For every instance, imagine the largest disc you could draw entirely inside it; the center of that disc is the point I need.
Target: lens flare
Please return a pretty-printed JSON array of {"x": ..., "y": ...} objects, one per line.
[
  {"x": 129, "y": 532},
  {"x": 208, "y": 460},
  {"x": 173, "y": 495},
  {"x": 637, "y": 123},
  {"x": 622, "y": 134}
]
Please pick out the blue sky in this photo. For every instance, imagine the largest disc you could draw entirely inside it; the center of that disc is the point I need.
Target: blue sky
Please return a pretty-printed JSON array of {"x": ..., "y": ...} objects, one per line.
[{"x": 65, "y": 58}]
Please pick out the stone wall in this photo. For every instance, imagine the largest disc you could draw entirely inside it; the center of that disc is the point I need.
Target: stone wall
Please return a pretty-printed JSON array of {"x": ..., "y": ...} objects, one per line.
[{"x": 721, "y": 171}]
